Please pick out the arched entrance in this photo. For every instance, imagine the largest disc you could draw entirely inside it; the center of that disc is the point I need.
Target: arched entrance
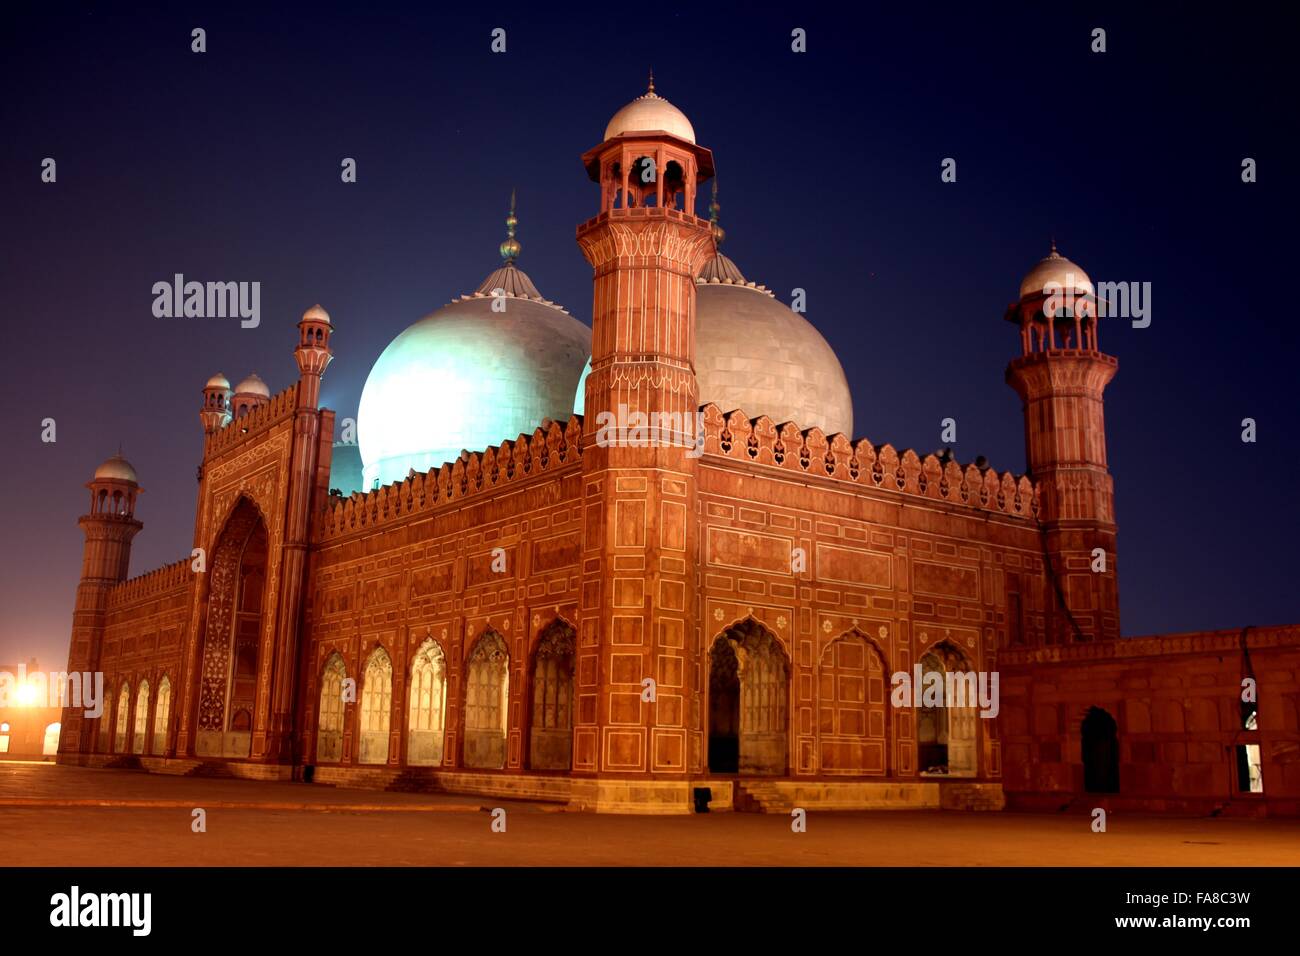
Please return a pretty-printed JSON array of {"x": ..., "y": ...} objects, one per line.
[
  {"x": 748, "y": 702},
  {"x": 376, "y": 707},
  {"x": 123, "y": 718},
  {"x": 1100, "y": 752},
  {"x": 487, "y": 702},
  {"x": 550, "y": 745},
  {"x": 162, "y": 713},
  {"x": 51, "y": 743},
  {"x": 428, "y": 713},
  {"x": 232, "y": 638},
  {"x": 140, "y": 729},
  {"x": 329, "y": 718},
  {"x": 947, "y": 720}
]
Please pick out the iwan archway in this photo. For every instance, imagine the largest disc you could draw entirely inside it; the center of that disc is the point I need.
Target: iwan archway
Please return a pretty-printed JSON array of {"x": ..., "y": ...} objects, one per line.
[
  {"x": 749, "y": 693},
  {"x": 232, "y": 636}
]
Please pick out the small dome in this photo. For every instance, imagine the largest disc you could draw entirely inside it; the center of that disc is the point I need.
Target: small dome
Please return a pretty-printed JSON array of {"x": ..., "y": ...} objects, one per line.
[
  {"x": 218, "y": 381},
  {"x": 253, "y": 386},
  {"x": 316, "y": 314},
  {"x": 1055, "y": 268},
  {"x": 117, "y": 468},
  {"x": 648, "y": 113}
]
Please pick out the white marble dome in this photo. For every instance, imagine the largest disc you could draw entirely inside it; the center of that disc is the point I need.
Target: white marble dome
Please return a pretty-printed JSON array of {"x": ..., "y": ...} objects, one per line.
[
  {"x": 1055, "y": 268},
  {"x": 117, "y": 468},
  {"x": 648, "y": 113},
  {"x": 755, "y": 354},
  {"x": 467, "y": 377}
]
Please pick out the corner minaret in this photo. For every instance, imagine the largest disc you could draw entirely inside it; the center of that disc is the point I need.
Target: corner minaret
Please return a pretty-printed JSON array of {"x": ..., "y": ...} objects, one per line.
[
  {"x": 215, "y": 412},
  {"x": 1060, "y": 376},
  {"x": 109, "y": 527},
  {"x": 308, "y": 485},
  {"x": 645, "y": 246}
]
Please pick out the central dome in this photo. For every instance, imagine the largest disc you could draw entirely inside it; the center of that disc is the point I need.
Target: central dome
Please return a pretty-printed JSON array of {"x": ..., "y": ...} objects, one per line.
[
  {"x": 649, "y": 113},
  {"x": 755, "y": 354},
  {"x": 469, "y": 376}
]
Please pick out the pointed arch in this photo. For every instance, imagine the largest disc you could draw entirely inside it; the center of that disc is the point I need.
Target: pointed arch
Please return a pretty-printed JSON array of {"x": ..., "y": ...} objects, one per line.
[
  {"x": 329, "y": 715},
  {"x": 1100, "y": 749},
  {"x": 947, "y": 724},
  {"x": 235, "y": 619},
  {"x": 487, "y": 697},
  {"x": 50, "y": 743},
  {"x": 162, "y": 709},
  {"x": 550, "y": 745},
  {"x": 376, "y": 706},
  {"x": 426, "y": 726},
  {"x": 749, "y": 701},
  {"x": 106, "y": 723},
  {"x": 852, "y": 707},
  {"x": 141, "y": 726},
  {"x": 123, "y": 718}
]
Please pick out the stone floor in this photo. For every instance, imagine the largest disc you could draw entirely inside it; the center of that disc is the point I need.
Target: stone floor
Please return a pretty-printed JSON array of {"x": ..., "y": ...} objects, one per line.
[{"x": 54, "y": 815}]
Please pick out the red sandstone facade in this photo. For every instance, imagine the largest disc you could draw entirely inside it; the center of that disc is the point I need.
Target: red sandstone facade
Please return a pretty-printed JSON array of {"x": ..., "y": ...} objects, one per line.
[{"x": 618, "y": 626}]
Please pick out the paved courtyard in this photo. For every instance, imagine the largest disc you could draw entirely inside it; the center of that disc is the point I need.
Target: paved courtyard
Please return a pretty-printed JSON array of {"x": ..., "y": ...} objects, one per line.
[{"x": 72, "y": 816}]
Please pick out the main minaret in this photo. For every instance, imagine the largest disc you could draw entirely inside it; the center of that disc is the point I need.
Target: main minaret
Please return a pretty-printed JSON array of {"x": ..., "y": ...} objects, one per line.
[
  {"x": 637, "y": 733},
  {"x": 1061, "y": 375},
  {"x": 109, "y": 526}
]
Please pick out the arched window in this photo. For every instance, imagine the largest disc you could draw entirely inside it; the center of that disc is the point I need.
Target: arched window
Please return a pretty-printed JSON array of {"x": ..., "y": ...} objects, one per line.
[
  {"x": 4, "y": 738},
  {"x": 329, "y": 732},
  {"x": 486, "y": 702},
  {"x": 162, "y": 713},
  {"x": 428, "y": 707},
  {"x": 376, "y": 707},
  {"x": 551, "y": 733},
  {"x": 123, "y": 717},
  {"x": 105, "y": 723},
  {"x": 51, "y": 745},
  {"x": 141, "y": 718}
]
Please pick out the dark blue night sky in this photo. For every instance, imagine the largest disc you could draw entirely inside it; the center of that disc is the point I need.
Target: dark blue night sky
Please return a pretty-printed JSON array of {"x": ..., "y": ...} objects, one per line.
[{"x": 225, "y": 166}]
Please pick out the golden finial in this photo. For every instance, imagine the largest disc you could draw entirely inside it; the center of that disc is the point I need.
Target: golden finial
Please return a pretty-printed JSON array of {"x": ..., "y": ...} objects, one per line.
[
  {"x": 719, "y": 233},
  {"x": 651, "y": 90},
  {"x": 510, "y": 248}
]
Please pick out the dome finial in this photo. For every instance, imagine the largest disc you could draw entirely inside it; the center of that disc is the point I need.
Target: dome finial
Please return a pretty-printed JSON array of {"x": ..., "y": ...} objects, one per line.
[
  {"x": 510, "y": 248},
  {"x": 650, "y": 91},
  {"x": 1054, "y": 252}
]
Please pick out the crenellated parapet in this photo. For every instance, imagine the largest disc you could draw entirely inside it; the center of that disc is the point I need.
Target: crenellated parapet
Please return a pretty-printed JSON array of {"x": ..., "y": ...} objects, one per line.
[
  {"x": 168, "y": 577},
  {"x": 544, "y": 452},
  {"x": 257, "y": 422},
  {"x": 810, "y": 451},
  {"x": 1203, "y": 644}
]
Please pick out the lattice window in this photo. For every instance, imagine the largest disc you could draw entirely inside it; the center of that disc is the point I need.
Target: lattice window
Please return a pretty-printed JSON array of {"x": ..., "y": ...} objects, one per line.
[
  {"x": 428, "y": 688},
  {"x": 331, "y": 696},
  {"x": 553, "y": 680},
  {"x": 123, "y": 716},
  {"x": 377, "y": 694},
  {"x": 162, "y": 713},
  {"x": 486, "y": 689},
  {"x": 141, "y": 718}
]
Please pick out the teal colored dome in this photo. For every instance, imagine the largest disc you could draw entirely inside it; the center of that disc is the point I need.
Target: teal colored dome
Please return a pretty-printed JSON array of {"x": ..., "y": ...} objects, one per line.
[{"x": 467, "y": 377}]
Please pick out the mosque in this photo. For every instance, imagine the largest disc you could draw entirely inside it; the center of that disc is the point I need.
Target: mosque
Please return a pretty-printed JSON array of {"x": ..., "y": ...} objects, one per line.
[{"x": 481, "y": 595}]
